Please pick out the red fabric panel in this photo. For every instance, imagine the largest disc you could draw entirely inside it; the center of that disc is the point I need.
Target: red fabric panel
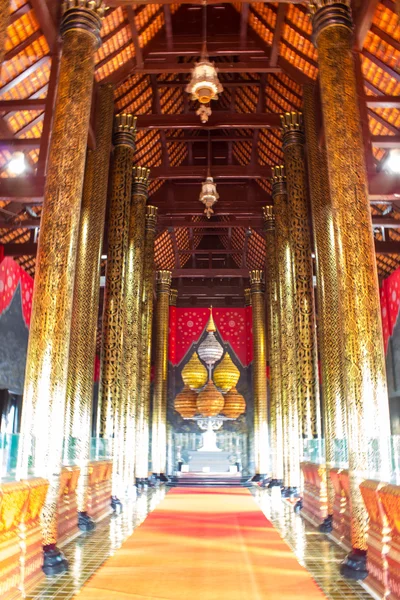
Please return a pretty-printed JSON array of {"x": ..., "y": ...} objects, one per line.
[
  {"x": 172, "y": 335},
  {"x": 190, "y": 324},
  {"x": 231, "y": 325},
  {"x": 10, "y": 275},
  {"x": 390, "y": 304}
]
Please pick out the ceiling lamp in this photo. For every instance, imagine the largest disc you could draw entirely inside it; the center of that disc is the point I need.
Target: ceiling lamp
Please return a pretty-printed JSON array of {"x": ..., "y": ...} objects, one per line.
[
  {"x": 208, "y": 195},
  {"x": 17, "y": 164},
  {"x": 392, "y": 163},
  {"x": 204, "y": 84},
  {"x": 210, "y": 401},
  {"x": 235, "y": 404},
  {"x": 226, "y": 375},
  {"x": 194, "y": 373},
  {"x": 185, "y": 403},
  {"x": 210, "y": 351}
]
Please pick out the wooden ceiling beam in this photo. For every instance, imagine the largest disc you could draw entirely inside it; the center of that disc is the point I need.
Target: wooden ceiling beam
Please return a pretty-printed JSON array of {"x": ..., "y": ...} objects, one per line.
[
  {"x": 211, "y": 273},
  {"x": 217, "y": 171},
  {"x": 280, "y": 22},
  {"x": 363, "y": 20},
  {"x": 25, "y": 104},
  {"x": 194, "y": 2},
  {"x": 215, "y": 139},
  {"x": 168, "y": 27},
  {"x": 218, "y": 120},
  {"x": 46, "y": 23},
  {"x": 244, "y": 19},
  {"x": 135, "y": 36},
  {"x": 387, "y": 247},
  {"x": 379, "y": 101},
  {"x": 171, "y": 67},
  {"x": 385, "y": 141}
]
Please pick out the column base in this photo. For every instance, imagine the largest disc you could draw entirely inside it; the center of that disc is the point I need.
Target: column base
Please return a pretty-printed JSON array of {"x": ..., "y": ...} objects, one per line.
[
  {"x": 116, "y": 504},
  {"x": 326, "y": 525},
  {"x": 354, "y": 565},
  {"x": 275, "y": 483},
  {"x": 85, "y": 523},
  {"x": 54, "y": 561},
  {"x": 289, "y": 492}
]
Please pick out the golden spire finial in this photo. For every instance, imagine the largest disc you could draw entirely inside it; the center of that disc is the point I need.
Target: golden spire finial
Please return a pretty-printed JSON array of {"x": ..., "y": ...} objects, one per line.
[{"x": 211, "y": 324}]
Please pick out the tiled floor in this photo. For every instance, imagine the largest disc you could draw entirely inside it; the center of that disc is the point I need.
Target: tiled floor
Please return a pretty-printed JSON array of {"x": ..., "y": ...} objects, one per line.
[
  {"x": 314, "y": 550},
  {"x": 87, "y": 552}
]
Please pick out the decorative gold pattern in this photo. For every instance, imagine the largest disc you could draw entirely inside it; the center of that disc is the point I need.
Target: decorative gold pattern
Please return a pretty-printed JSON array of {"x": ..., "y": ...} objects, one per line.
[
  {"x": 273, "y": 345},
  {"x": 142, "y": 429},
  {"x": 159, "y": 425},
  {"x": 306, "y": 342},
  {"x": 173, "y": 297},
  {"x": 362, "y": 342},
  {"x": 47, "y": 358},
  {"x": 329, "y": 320},
  {"x": 132, "y": 320},
  {"x": 112, "y": 423},
  {"x": 261, "y": 447},
  {"x": 4, "y": 16},
  {"x": 284, "y": 261},
  {"x": 82, "y": 350}
]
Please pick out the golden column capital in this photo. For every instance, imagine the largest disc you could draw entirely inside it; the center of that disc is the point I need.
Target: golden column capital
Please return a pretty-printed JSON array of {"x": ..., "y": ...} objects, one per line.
[
  {"x": 140, "y": 185},
  {"x": 269, "y": 218},
  {"x": 83, "y": 15},
  {"x": 173, "y": 297},
  {"x": 247, "y": 297},
  {"x": 256, "y": 281},
  {"x": 124, "y": 133},
  {"x": 292, "y": 128},
  {"x": 278, "y": 180},
  {"x": 151, "y": 217},
  {"x": 163, "y": 281},
  {"x": 330, "y": 13}
]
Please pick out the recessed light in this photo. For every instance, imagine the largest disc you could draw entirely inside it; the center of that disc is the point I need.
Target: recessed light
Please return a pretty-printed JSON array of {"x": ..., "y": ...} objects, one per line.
[
  {"x": 392, "y": 163},
  {"x": 17, "y": 164}
]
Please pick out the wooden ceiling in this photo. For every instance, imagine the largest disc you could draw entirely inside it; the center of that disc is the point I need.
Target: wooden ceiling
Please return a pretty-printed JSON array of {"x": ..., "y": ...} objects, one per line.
[{"x": 264, "y": 54}]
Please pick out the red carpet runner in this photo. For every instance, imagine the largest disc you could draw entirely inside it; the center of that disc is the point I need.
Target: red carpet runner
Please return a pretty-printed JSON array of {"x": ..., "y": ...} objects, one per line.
[{"x": 208, "y": 544}]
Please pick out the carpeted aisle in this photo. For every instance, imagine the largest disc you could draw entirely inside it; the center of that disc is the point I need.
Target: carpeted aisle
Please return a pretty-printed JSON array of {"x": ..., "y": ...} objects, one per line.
[{"x": 208, "y": 544}]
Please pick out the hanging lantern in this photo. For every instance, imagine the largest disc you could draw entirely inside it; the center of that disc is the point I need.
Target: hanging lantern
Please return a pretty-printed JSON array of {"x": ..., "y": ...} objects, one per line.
[
  {"x": 185, "y": 403},
  {"x": 210, "y": 351},
  {"x": 210, "y": 401},
  {"x": 194, "y": 373},
  {"x": 204, "y": 85},
  {"x": 226, "y": 375},
  {"x": 208, "y": 196},
  {"x": 235, "y": 404}
]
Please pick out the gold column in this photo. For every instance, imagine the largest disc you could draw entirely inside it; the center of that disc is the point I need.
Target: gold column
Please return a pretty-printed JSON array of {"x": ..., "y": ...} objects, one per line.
[
  {"x": 142, "y": 428},
  {"x": 82, "y": 350},
  {"x": 362, "y": 346},
  {"x": 273, "y": 347},
  {"x": 4, "y": 16},
  {"x": 306, "y": 339},
  {"x": 261, "y": 446},
  {"x": 287, "y": 326},
  {"x": 112, "y": 423},
  {"x": 132, "y": 318},
  {"x": 159, "y": 426},
  {"x": 329, "y": 319},
  {"x": 47, "y": 357}
]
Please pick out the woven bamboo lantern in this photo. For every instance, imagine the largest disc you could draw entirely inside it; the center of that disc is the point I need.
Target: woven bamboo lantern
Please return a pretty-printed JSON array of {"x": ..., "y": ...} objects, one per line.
[
  {"x": 235, "y": 404},
  {"x": 226, "y": 375},
  {"x": 194, "y": 373},
  {"x": 210, "y": 401},
  {"x": 185, "y": 403}
]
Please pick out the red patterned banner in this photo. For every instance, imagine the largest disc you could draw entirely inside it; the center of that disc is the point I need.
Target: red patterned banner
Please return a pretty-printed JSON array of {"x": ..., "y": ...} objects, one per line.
[
  {"x": 10, "y": 275},
  {"x": 187, "y": 326},
  {"x": 390, "y": 303}
]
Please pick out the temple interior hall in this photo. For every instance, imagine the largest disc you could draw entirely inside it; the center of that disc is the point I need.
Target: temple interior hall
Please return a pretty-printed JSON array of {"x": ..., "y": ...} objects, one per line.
[{"x": 199, "y": 300}]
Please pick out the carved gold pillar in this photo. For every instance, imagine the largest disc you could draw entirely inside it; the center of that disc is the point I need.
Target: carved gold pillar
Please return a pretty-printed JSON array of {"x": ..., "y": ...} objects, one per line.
[
  {"x": 306, "y": 339},
  {"x": 47, "y": 358},
  {"x": 112, "y": 410},
  {"x": 159, "y": 425},
  {"x": 329, "y": 318},
  {"x": 287, "y": 324},
  {"x": 273, "y": 347},
  {"x": 4, "y": 15},
  {"x": 82, "y": 350},
  {"x": 132, "y": 319},
  {"x": 362, "y": 346},
  {"x": 142, "y": 428},
  {"x": 261, "y": 445}
]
